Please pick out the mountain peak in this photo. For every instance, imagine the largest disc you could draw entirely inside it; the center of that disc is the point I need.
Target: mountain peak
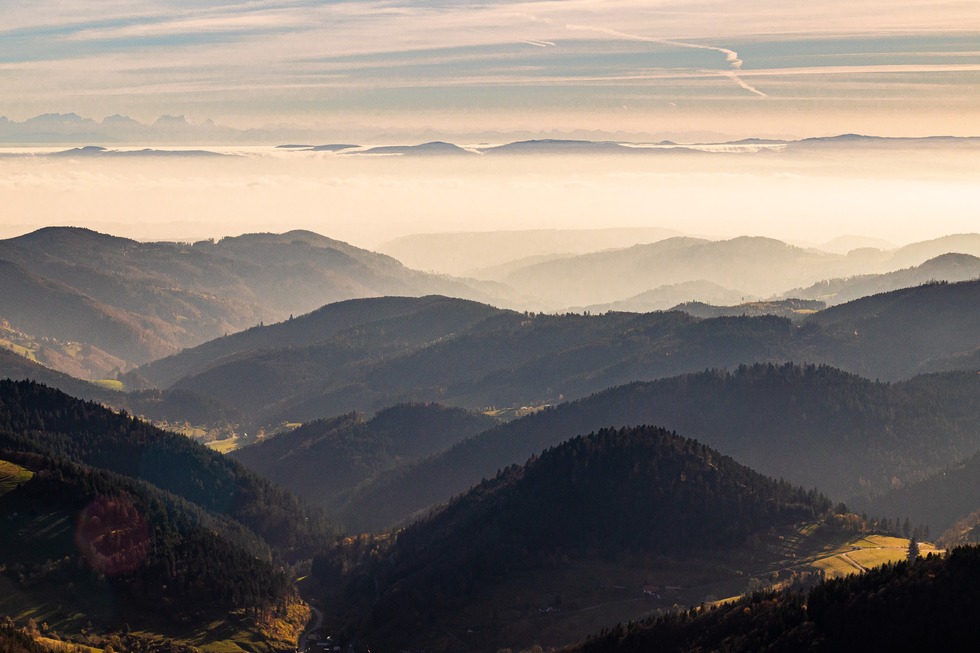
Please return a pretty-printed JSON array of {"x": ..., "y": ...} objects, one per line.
[{"x": 167, "y": 120}]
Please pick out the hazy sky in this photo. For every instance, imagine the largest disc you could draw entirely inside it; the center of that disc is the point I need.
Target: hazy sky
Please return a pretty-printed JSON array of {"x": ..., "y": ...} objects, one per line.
[{"x": 745, "y": 67}]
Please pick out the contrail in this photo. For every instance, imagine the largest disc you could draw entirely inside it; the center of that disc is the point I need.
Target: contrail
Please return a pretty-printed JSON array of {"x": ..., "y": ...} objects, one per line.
[{"x": 730, "y": 55}]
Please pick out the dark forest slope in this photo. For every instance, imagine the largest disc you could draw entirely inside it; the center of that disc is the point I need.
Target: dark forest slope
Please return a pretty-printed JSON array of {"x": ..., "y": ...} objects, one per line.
[
  {"x": 931, "y": 605},
  {"x": 40, "y": 421},
  {"x": 816, "y": 426},
  {"x": 869, "y": 335},
  {"x": 322, "y": 459},
  {"x": 604, "y": 496}
]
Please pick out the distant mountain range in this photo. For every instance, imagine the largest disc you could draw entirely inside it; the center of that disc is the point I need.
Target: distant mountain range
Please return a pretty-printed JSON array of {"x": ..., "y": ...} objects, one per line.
[
  {"x": 71, "y": 128},
  {"x": 67, "y": 128},
  {"x": 472, "y": 253},
  {"x": 753, "y": 266}
]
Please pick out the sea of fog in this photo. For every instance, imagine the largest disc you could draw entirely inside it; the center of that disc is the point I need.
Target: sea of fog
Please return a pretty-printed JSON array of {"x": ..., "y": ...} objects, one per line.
[{"x": 900, "y": 191}]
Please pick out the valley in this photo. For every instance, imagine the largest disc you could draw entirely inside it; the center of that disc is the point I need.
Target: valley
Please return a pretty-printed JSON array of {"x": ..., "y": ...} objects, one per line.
[{"x": 429, "y": 467}]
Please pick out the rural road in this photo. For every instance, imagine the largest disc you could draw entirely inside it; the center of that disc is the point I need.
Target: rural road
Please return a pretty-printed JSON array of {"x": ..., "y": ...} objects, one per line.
[{"x": 317, "y": 622}]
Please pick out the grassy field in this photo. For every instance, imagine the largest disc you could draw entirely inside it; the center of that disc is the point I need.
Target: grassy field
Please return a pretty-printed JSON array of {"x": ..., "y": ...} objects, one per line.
[
  {"x": 864, "y": 553},
  {"x": 11, "y": 476},
  {"x": 110, "y": 384},
  {"x": 59, "y": 646},
  {"x": 229, "y": 444},
  {"x": 20, "y": 350}
]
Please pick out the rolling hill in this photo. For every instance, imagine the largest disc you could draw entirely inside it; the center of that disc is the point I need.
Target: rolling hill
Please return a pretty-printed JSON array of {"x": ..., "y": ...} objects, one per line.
[
  {"x": 36, "y": 421},
  {"x": 387, "y": 324},
  {"x": 937, "y": 321},
  {"x": 616, "y": 495}
]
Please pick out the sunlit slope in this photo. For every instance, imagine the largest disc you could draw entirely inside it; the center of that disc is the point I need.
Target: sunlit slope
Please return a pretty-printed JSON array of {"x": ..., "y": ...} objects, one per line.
[{"x": 141, "y": 301}]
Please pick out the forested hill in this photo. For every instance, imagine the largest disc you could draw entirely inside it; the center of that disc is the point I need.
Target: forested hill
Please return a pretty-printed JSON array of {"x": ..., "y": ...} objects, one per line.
[
  {"x": 324, "y": 458},
  {"x": 817, "y": 426},
  {"x": 109, "y": 521},
  {"x": 942, "y": 499},
  {"x": 385, "y": 324},
  {"x": 38, "y": 420},
  {"x": 602, "y": 496},
  {"x": 939, "y": 322},
  {"x": 83, "y": 545},
  {"x": 931, "y": 605}
]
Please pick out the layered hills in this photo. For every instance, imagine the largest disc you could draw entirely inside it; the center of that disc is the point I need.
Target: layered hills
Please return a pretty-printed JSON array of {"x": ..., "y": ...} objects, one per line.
[
  {"x": 98, "y": 305},
  {"x": 750, "y": 266},
  {"x": 368, "y": 354},
  {"x": 945, "y": 267},
  {"x": 141, "y": 301},
  {"x": 816, "y": 426}
]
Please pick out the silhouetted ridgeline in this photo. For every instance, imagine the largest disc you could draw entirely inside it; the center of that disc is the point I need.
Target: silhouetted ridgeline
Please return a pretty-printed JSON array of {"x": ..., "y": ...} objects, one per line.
[{"x": 931, "y": 605}]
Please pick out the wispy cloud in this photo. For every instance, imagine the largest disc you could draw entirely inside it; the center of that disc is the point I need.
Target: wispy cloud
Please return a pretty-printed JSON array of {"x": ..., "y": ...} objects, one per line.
[
  {"x": 289, "y": 59},
  {"x": 731, "y": 57}
]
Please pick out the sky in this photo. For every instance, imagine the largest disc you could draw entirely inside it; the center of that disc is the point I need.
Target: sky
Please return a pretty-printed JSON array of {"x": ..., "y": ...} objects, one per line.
[
  {"x": 736, "y": 68},
  {"x": 405, "y": 71}
]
